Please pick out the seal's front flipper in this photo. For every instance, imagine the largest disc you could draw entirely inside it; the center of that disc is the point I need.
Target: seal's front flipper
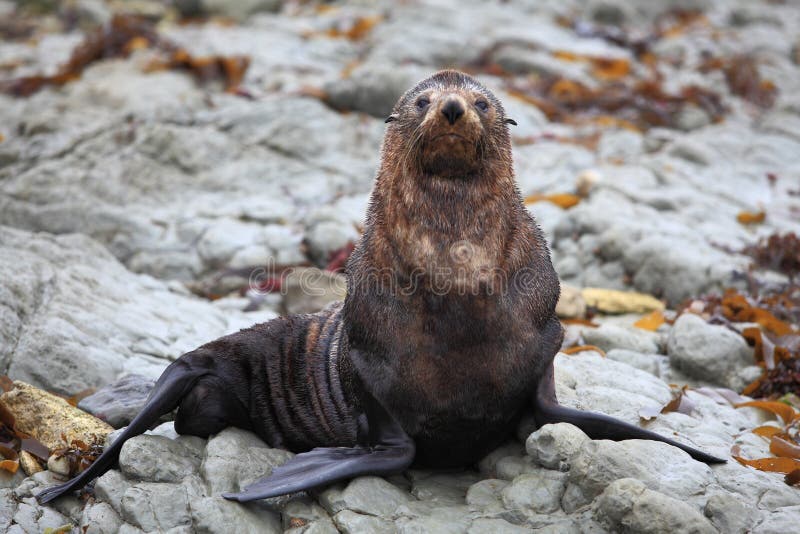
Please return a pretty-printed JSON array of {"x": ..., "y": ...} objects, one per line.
[
  {"x": 597, "y": 426},
  {"x": 176, "y": 381},
  {"x": 389, "y": 450}
]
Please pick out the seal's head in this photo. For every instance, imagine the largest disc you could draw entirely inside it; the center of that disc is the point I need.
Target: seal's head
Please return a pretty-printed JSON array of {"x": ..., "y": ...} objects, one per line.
[{"x": 449, "y": 126}]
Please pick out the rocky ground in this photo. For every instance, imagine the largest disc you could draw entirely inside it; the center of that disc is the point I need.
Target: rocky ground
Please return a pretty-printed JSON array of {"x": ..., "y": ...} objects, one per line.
[{"x": 127, "y": 198}]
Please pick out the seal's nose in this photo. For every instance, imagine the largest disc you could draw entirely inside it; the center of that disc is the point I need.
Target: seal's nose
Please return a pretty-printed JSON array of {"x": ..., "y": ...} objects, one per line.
[{"x": 452, "y": 109}]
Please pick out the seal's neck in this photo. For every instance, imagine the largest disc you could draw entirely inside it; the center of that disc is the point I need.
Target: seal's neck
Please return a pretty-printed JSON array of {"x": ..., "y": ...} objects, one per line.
[{"x": 423, "y": 223}]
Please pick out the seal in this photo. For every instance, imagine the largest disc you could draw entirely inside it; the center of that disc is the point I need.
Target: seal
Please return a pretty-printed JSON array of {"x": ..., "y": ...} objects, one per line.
[{"x": 445, "y": 340}]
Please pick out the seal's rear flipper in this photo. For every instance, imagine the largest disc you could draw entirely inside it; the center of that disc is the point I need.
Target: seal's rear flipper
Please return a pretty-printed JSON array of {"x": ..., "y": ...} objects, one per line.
[
  {"x": 176, "y": 381},
  {"x": 389, "y": 451},
  {"x": 598, "y": 426}
]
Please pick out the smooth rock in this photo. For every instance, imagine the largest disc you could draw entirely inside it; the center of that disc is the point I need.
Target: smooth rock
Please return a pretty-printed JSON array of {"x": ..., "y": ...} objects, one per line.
[
  {"x": 609, "y": 336},
  {"x": 708, "y": 352},
  {"x": 119, "y": 402},
  {"x": 730, "y": 514},
  {"x": 370, "y": 495},
  {"x": 157, "y": 459},
  {"x": 215, "y": 514},
  {"x": 539, "y": 492},
  {"x": 351, "y": 522},
  {"x": 655, "y": 464},
  {"x": 554, "y": 446},
  {"x": 100, "y": 518},
  {"x": 628, "y": 506},
  {"x": 156, "y": 506}
]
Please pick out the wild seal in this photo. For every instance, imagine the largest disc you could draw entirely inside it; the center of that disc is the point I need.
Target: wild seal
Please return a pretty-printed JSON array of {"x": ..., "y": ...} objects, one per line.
[{"x": 446, "y": 338}]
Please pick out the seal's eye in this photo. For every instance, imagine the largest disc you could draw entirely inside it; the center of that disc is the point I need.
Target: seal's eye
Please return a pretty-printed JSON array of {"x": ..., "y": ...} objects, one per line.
[
  {"x": 423, "y": 103},
  {"x": 482, "y": 105}
]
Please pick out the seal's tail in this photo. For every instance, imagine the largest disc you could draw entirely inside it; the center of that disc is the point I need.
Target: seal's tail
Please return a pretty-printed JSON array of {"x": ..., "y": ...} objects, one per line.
[
  {"x": 596, "y": 425},
  {"x": 176, "y": 381}
]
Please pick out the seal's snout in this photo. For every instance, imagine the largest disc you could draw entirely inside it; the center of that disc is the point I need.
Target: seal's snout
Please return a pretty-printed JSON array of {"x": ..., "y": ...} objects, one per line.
[{"x": 452, "y": 109}]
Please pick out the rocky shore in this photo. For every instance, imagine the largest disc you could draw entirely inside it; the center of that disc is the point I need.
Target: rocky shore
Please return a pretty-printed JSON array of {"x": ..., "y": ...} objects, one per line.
[{"x": 139, "y": 207}]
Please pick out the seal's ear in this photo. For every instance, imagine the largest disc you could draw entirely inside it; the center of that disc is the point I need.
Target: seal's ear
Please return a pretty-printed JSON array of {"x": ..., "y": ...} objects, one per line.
[
  {"x": 510, "y": 121},
  {"x": 390, "y": 118}
]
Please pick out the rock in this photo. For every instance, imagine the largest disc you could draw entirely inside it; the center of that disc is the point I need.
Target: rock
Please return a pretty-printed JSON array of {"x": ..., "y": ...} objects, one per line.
[
  {"x": 649, "y": 363},
  {"x": 235, "y": 458},
  {"x": 34, "y": 518},
  {"x": 433, "y": 518},
  {"x": 495, "y": 526},
  {"x": 215, "y": 514},
  {"x": 100, "y": 320},
  {"x": 29, "y": 463},
  {"x": 157, "y": 459},
  {"x": 46, "y": 417},
  {"x": 539, "y": 492},
  {"x": 118, "y": 403},
  {"x": 369, "y": 495},
  {"x": 708, "y": 352},
  {"x": 571, "y": 303},
  {"x": 554, "y": 446},
  {"x": 373, "y": 87},
  {"x": 156, "y": 506},
  {"x": 779, "y": 521},
  {"x": 730, "y": 514},
  {"x": 8, "y": 507},
  {"x": 239, "y": 10},
  {"x": 510, "y": 467},
  {"x": 652, "y": 463},
  {"x": 111, "y": 488},
  {"x": 612, "y": 301},
  {"x": 326, "y": 237},
  {"x": 488, "y": 465},
  {"x": 100, "y": 518},
  {"x": 609, "y": 336},
  {"x": 308, "y": 290},
  {"x": 442, "y": 488},
  {"x": 627, "y": 505},
  {"x": 486, "y": 495},
  {"x": 351, "y": 522}
]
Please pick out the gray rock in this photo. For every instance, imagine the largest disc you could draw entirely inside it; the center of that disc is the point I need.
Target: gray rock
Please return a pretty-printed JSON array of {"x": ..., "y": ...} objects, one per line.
[
  {"x": 118, "y": 403},
  {"x": 601, "y": 462},
  {"x": 609, "y": 337},
  {"x": 510, "y": 467},
  {"x": 351, "y": 522},
  {"x": 100, "y": 321},
  {"x": 442, "y": 488},
  {"x": 8, "y": 507},
  {"x": 215, "y": 514},
  {"x": 627, "y": 505},
  {"x": 369, "y": 495},
  {"x": 235, "y": 458},
  {"x": 373, "y": 87},
  {"x": 156, "y": 506},
  {"x": 488, "y": 465},
  {"x": 649, "y": 363},
  {"x": 495, "y": 526},
  {"x": 708, "y": 352},
  {"x": 34, "y": 518},
  {"x": 157, "y": 459},
  {"x": 554, "y": 446},
  {"x": 730, "y": 514},
  {"x": 100, "y": 518},
  {"x": 239, "y": 10},
  {"x": 779, "y": 521},
  {"x": 308, "y": 290},
  {"x": 486, "y": 495},
  {"x": 326, "y": 237},
  {"x": 430, "y": 517},
  {"x": 539, "y": 492},
  {"x": 111, "y": 488}
]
